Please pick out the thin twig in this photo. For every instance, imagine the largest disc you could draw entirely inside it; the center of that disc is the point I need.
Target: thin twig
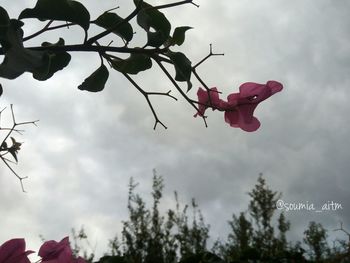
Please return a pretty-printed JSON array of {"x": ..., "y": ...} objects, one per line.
[
  {"x": 6, "y": 149},
  {"x": 174, "y": 4},
  {"x": 44, "y": 29},
  {"x": 146, "y": 95},
  {"x": 208, "y": 56},
  {"x": 178, "y": 87}
]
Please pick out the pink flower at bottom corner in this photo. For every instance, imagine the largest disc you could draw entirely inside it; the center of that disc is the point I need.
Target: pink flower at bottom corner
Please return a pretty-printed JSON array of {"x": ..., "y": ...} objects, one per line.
[
  {"x": 13, "y": 251},
  {"x": 249, "y": 96},
  {"x": 204, "y": 101},
  {"x": 58, "y": 252}
]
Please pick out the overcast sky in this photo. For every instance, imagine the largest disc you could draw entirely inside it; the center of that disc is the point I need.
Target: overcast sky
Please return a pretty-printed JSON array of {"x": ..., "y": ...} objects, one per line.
[{"x": 87, "y": 146}]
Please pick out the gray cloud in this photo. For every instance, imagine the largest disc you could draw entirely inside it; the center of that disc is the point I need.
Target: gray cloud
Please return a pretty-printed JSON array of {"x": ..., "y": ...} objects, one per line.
[{"x": 87, "y": 146}]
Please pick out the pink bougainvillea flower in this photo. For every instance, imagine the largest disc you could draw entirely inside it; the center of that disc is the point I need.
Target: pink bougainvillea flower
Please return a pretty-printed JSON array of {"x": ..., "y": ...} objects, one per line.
[
  {"x": 13, "y": 251},
  {"x": 205, "y": 101},
  {"x": 249, "y": 96},
  {"x": 56, "y": 252}
]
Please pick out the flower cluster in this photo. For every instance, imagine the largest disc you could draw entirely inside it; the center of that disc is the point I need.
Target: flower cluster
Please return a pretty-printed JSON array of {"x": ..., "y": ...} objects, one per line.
[
  {"x": 239, "y": 107},
  {"x": 14, "y": 251}
]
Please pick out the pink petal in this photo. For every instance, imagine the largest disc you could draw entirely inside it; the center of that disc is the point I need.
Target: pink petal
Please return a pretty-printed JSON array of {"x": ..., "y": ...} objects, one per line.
[
  {"x": 274, "y": 86},
  {"x": 202, "y": 99},
  {"x": 13, "y": 251},
  {"x": 214, "y": 98},
  {"x": 232, "y": 118},
  {"x": 246, "y": 112},
  {"x": 52, "y": 250},
  {"x": 249, "y": 89},
  {"x": 253, "y": 92},
  {"x": 250, "y": 127},
  {"x": 205, "y": 101},
  {"x": 232, "y": 99}
]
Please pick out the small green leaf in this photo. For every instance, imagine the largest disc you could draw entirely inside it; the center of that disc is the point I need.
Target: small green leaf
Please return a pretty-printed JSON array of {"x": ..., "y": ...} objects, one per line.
[
  {"x": 96, "y": 81},
  {"x": 62, "y": 10},
  {"x": 179, "y": 35},
  {"x": 155, "y": 24},
  {"x": 108, "y": 20},
  {"x": 132, "y": 65},
  {"x": 54, "y": 61},
  {"x": 183, "y": 68}
]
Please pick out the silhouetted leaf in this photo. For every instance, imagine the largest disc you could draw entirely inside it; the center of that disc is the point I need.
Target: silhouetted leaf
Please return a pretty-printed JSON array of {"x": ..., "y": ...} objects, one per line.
[
  {"x": 179, "y": 35},
  {"x": 63, "y": 10},
  {"x": 96, "y": 81},
  {"x": 108, "y": 20},
  {"x": 4, "y": 21},
  {"x": 132, "y": 65},
  {"x": 54, "y": 61},
  {"x": 13, "y": 150},
  {"x": 183, "y": 68},
  {"x": 17, "y": 59},
  {"x": 1, "y": 90},
  {"x": 155, "y": 24}
]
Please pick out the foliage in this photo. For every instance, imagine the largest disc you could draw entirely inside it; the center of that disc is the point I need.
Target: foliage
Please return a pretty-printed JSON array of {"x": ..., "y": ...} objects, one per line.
[
  {"x": 161, "y": 48},
  {"x": 316, "y": 239},
  {"x": 149, "y": 237},
  {"x": 174, "y": 237}
]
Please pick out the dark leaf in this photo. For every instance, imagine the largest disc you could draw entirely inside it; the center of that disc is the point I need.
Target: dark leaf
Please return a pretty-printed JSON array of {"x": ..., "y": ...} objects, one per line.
[
  {"x": 62, "y": 10},
  {"x": 4, "y": 21},
  {"x": 183, "y": 68},
  {"x": 155, "y": 24},
  {"x": 108, "y": 20},
  {"x": 96, "y": 81},
  {"x": 132, "y": 65},
  {"x": 1, "y": 90},
  {"x": 13, "y": 150},
  {"x": 179, "y": 35},
  {"x": 3, "y": 146},
  {"x": 54, "y": 61},
  {"x": 17, "y": 59}
]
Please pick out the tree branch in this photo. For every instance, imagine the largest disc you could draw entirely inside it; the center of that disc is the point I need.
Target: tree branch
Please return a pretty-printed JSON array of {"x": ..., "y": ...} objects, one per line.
[
  {"x": 146, "y": 95},
  {"x": 15, "y": 145},
  {"x": 178, "y": 87}
]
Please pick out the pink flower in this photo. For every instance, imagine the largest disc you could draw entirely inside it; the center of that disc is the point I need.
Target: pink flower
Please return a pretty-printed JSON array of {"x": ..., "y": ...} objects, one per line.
[
  {"x": 205, "y": 101},
  {"x": 239, "y": 108},
  {"x": 58, "y": 252},
  {"x": 13, "y": 251},
  {"x": 250, "y": 95}
]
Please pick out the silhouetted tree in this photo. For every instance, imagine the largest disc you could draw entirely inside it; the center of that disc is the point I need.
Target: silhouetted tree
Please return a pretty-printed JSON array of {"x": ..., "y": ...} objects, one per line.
[
  {"x": 316, "y": 239},
  {"x": 262, "y": 207}
]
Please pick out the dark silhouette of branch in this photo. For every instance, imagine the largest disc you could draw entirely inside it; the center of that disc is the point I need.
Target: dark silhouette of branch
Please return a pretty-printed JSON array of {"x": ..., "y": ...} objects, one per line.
[{"x": 5, "y": 149}]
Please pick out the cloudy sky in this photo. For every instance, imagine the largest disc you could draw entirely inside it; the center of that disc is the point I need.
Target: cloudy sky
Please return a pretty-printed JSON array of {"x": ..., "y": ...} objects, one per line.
[{"x": 87, "y": 146}]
